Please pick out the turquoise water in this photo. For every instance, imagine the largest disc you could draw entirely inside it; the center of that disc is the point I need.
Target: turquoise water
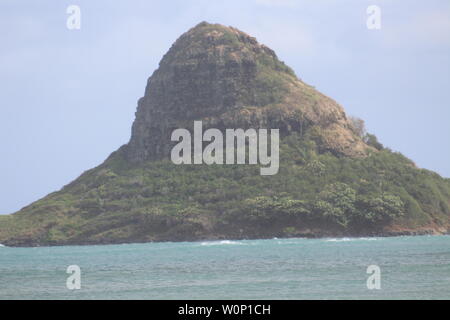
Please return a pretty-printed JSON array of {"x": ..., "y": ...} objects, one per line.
[{"x": 411, "y": 268}]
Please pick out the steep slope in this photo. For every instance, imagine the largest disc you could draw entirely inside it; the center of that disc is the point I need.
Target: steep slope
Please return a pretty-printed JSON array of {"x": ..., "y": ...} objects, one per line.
[
  {"x": 225, "y": 78},
  {"x": 332, "y": 181}
]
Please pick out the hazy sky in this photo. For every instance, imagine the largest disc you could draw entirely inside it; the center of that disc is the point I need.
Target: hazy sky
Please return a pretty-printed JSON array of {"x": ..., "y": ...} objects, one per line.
[{"x": 68, "y": 97}]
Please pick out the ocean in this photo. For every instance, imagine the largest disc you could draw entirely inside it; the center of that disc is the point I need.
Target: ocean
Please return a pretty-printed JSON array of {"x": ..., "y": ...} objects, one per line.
[{"x": 409, "y": 268}]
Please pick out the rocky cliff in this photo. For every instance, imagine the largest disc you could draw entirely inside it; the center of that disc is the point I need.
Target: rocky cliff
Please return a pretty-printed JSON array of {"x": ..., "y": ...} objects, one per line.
[{"x": 225, "y": 78}]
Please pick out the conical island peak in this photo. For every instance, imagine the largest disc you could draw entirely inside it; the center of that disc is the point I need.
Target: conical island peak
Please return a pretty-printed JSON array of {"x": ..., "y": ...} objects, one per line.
[
  {"x": 225, "y": 78},
  {"x": 333, "y": 178}
]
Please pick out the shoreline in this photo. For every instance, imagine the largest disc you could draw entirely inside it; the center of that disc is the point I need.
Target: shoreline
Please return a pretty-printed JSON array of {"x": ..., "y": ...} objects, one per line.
[{"x": 386, "y": 234}]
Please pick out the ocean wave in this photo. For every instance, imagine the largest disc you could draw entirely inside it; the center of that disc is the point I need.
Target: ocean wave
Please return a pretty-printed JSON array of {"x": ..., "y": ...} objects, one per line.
[
  {"x": 221, "y": 243},
  {"x": 2, "y": 245},
  {"x": 350, "y": 239},
  {"x": 338, "y": 240},
  {"x": 283, "y": 242}
]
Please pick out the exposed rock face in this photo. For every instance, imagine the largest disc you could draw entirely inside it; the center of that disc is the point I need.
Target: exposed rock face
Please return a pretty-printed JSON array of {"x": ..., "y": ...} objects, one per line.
[{"x": 227, "y": 79}]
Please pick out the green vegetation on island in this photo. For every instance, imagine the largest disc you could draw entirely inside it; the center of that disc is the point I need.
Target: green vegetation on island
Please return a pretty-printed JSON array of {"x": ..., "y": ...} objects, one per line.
[{"x": 313, "y": 195}]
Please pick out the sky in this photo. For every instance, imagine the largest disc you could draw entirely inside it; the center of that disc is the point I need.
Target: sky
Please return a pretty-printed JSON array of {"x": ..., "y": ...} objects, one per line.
[{"x": 68, "y": 97}]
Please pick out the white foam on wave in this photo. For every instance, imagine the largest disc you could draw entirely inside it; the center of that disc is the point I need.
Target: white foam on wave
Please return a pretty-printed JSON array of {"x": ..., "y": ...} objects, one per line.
[
  {"x": 350, "y": 239},
  {"x": 368, "y": 239},
  {"x": 2, "y": 245},
  {"x": 339, "y": 240},
  {"x": 221, "y": 243}
]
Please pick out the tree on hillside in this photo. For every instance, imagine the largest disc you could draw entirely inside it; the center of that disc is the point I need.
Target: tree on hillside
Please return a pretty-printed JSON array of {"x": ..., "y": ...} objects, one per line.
[{"x": 358, "y": 126}]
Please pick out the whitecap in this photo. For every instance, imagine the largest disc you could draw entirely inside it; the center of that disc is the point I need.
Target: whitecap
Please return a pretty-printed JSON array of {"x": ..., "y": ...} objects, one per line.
[
  {"x": 339, "y": 240},
  {"x": 220, "y": 243},
  {"x": 368, "y": 239},
  {"x": 350, "y": 239}
]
